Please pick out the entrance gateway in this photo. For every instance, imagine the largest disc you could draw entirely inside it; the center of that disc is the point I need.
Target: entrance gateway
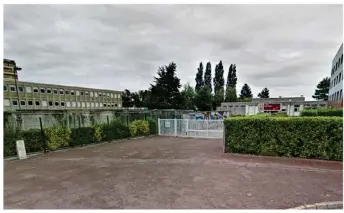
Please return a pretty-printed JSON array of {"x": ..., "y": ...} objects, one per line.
[{"x": 191, "y": 128}]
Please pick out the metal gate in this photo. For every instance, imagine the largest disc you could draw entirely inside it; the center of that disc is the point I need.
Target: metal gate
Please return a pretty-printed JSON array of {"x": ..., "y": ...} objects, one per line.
[{"x": 191, "y": 128}]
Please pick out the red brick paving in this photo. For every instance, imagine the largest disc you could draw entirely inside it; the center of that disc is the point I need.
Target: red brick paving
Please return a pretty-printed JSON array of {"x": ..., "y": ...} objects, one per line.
[{"x": 167, "y": 172}]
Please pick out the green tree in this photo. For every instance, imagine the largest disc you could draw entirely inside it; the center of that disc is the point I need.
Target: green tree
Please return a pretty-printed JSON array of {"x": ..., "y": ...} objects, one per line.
[
  {"x": 231, "y": 77},
  {"x": 323, "y": 87},
  {"x": 207, "y": 76},
  {"x": 199, "y": 77},
  {"x": 188, "y": 94},
  {"x": 245, "y": 92},
  {"x": 219, "y": 81},
  {"x": 203, "y": 99},
  {"x": 219, "y": 97},
  {"x": 165, "y": 92},
  {"x": 264, "y": 93},
  {"x": 231, "y": 95},
  {"x": 127, "y": 98},
  {"x": 139, "y": 98}
]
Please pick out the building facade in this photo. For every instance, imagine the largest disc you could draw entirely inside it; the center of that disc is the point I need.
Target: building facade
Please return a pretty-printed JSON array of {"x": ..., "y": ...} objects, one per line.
[
  {"x": 335, "y": 97},
  {"x": 20, "y": 95},
  {"x": 292, "y": 106}
]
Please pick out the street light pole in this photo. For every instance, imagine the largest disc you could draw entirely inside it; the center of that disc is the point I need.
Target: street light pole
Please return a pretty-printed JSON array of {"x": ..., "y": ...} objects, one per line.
[{"x": 19, "y": 117}]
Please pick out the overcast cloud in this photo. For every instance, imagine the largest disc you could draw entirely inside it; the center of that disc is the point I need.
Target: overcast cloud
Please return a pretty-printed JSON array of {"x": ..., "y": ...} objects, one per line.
[{"x": 287, "y": 48}]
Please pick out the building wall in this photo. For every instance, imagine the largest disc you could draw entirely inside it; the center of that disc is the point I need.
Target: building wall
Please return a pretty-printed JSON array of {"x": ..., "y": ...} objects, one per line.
[
  {"x": 57, "y": 97},
  {"x": 336, "y": 83}
]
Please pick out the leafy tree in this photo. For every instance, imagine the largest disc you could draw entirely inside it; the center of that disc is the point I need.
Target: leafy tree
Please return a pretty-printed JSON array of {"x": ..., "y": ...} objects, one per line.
[
  {"x": 199, "y": 77},
  {"x": 165, "y": 92},
  {"x": 264, "y": 93},
  {"x": 231, "y": 78},
  {"x": 245, "y": 92},
  {"x": 219, "y": 81},
  {"x": 203, "y": 99},
  {"x": 231, "y": 95},
  {"x": 139, "y": 98},
  {"x": 219, "y": 97},
  {"x": 188, "y": 94},
  {"x": 207, "y": 76},
  {"x": 323, "y": 87},
  {"x": 127, "y": 98}
]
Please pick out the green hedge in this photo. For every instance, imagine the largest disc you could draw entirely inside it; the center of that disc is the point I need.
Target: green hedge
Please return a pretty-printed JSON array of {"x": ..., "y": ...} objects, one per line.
[
  {"x": 33, "y": 140},
  {"x": 10, "y": 138},
  {"x": 305, "y": 137},
  {"x": 322, "y": 112},
  {"x": 152, "y": 126},
  {"x": 139, "y": 128},
  {"x": 81, "y": 136},
  {"x": 116, "y": 130}
]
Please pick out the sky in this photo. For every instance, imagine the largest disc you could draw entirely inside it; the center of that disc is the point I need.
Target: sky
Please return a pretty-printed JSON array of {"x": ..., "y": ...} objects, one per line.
[{"x": 286, "y": 48}]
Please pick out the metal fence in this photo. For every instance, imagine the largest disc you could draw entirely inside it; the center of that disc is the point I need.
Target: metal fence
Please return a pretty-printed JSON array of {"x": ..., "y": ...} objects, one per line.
[{"x": 190, "y": 128}]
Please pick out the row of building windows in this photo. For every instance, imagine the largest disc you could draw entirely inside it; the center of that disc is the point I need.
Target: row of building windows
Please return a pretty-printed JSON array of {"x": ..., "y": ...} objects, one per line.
[
  {"x": 337, "y": 80},
  {"x": 72, "y": 104},
  {"x": 12, "y": 88},
  {"x": 338, "y": 63},
  {"x": 337, "y": 96}
]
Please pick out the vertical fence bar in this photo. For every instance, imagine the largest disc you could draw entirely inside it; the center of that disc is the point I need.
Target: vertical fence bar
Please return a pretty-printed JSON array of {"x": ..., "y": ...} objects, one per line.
[
  {"x": 187, "y": 126},
  {"x": 159, "y": 128},
  {"x": 224, "y": 138},
  {"x": 79, "y": 121},
  {"x": 207, "y": 128},
  {"x": 43, "y": 136},
  {"x": 175, "y": 127}
]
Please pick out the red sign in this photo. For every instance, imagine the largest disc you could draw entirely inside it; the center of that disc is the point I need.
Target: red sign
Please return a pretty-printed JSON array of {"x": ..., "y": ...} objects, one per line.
[{"x": 272, "y": 107}]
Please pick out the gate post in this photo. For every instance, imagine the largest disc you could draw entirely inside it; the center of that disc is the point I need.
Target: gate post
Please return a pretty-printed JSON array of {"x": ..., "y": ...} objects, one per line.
[
  {"x": 159, "y": 128},
  {"x": 175, "y": 127},
  {"x": 207, "y": 128},
  {"x": 187, "y": 126}
]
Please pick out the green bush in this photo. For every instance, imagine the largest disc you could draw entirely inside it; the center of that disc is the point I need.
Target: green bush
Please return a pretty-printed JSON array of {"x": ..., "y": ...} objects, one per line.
[
  {"x": 10, "y": 138},
  {"x": 305, "y": 137},
  {"x": 33, "y": 140},
  {"x": 279, "y": 114},
  {"x": 82, "y": 135},
  {"x": 322, "y": 112},
  {"x": 152, "y": 126},
  {"x": 139, "y": 128},
  {"x": 116, "y": 130},
  {"x": 57, "y": 136},
  {"x": 99, "y": 132}
]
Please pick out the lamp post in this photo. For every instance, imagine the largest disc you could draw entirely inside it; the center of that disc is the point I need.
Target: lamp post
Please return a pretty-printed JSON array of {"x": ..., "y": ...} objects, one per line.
[{"x": 19, "y": 117}]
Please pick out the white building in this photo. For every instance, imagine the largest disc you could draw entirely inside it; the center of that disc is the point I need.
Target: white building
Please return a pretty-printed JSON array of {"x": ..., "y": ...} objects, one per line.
[{"x": 336, "y": 84}]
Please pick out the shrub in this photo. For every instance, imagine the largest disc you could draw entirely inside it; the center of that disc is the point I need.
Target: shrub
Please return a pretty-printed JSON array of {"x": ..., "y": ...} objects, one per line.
[
  {"x": 82, "y": 135},
  {"x": 57, "y": 137},
  {"x": 33, "y": 140},
  {"x": 10, "y": 138},
  {"x": 305, "y": 137},
  {"x": 279, "y": 114},
  {"x": 152, "y": 126},
  {"x": 322, "y": 112},
  {"x": 139, "y": 128},
  {"x": 116, "y": 130},
  {"x": 99, "y": 132}
]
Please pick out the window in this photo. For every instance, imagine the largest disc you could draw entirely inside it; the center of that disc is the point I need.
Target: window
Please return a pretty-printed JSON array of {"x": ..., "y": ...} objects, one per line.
[
  {"x": 37, "y": 103},
  {"x": 55, "y": 91},
  {"x": 104, "y": 105},
  {"x": 7, "y": 102},
  {"x": 115, "y": 105},
  {"x": 14, "y": 103},
  {"x": 86, "y": 93},
  {"x": 22, "y": 103},
  {"x": 5, "y": 88},
  {"x": 30, "y": 103},
  {"x": 87, "y": 104},
  {"x": 50, "y": 103},
  {"x": 56, "y": 103},
  {"x": 111, "y": 95},
  {"x": 72, "y": 92},
  {"x": 92, "y": 105},
  {"x": 62, "y": 103},
  {"x": 61, "y": 91},
  {"x": 108, "y": 94},
  {"x": 342, "y": 58},
  {"x": 119, "y": 105},
  {"x": 283, "y": 110},
  {"x": 104, "y": 94},
  {"x": 297, "y": 105},
  {"x": 21, "y": 89},
  {"x": 42, "y": 90},
  {"x": 49, "y": 90},
  {"x": 12, "y": 88},
  {"x": 100, "y": 94},
  {"x": 78, "y": 104},
  {"x": 111, "y": 105},
  {"x": 82, "y": 93},
  {"x": 67, "y": 92},
  {"x": 82, "y": 104},
  {"x": 340, "y": 95},
  {"x": 35, "y": 90},
  {"x": 340, "y": 76},
  {"x": 73, "y": 104},
  {"x": 77, "y": 93},
  {"x": 95, "y": 94},
  {"x": 68, "y": 104},
  {"x": 44, "y": 103},
  {"x": 97, "y": 105}
]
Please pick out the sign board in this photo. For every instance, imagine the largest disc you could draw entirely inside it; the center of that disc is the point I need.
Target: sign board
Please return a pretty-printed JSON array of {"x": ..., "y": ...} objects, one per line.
[
  {"x": 272, "y": 107},
  {"x": 167, "y": 124},
  {"x": 21, "y": 152}
]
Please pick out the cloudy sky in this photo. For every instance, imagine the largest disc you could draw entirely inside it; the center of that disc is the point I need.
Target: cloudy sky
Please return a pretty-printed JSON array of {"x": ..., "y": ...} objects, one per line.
[{"x": 287, "y": 48}]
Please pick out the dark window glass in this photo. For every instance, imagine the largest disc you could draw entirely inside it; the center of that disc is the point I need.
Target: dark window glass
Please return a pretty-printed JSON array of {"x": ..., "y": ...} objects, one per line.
[
  {"x": 61, "y": 91},
  {"x": 56, "y": 103},
  {"x": 62, "y": 103},
  {"x": 72, "y": 93},
  {"x": 42, "y": 90},
  {"x": 82, "y": 93},
  {"x": 30, "y": 103},
  {"x": 67, "y": 92},
  {"x": 21, "y": 89},
  {"x": 22, "y": 103},
  {"x": 49, "y": 91},
  {"x": 115, "y": 105},
  {"x": 37, "y": 103},
  {"x": 86, "y": 93},
  {"x": 55, "y": 91},
  {"x": 50, "y": 103},
  {"x": 14, "y": 103},
  {"x": 5, "y": 87},
  {"x": 12, "y": 88},
  {"x": 104, "y": 105},
  {"x": 35, "y": 90}
]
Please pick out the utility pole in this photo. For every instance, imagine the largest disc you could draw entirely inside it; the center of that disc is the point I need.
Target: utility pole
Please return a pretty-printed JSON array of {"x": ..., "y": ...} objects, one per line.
[{"x": 19, "y": 115}]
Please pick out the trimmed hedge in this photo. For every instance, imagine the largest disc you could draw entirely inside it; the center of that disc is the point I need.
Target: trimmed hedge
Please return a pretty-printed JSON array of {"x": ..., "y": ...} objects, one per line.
[
  {"x": 152, "y": 126},
  {"x": 116, "y": 130},
  {"x": 82, "y": 135},
  {"x": 322, "y": 112},
  {"x": 33, "y": 140},
  {"x": 305, "y": 137},
  {"x": 10, "y": 138}
]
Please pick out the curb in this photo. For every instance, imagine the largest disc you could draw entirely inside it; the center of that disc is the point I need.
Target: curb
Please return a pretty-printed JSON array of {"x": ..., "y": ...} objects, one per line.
[{"x": 324, "y": 205}]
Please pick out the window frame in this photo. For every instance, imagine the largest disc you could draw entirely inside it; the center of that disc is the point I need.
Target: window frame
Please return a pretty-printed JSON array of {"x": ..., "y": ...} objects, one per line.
[
  {"x": 23, "y": 102},
  {"x": 21, "y": 88},
  {"x": 5, "y": 87},
  {"x": 30, "y": 101},
  {"x": 14, "y": 101},
  {"x": 39, "y": 103},
  {"x": 42, "y": 89},
  {"x": 14, "y": 87},
  {"x": 35, "y": 88}
]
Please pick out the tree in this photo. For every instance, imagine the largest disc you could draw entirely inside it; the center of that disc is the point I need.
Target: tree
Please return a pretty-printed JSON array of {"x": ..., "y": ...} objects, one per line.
[
  {"x": 264, "y": 93},
  {"x": 245, "y": 92},
  {"x": 323, "y": 87},
  {"x": 219, "y": 97},
  {"x": 127, "y": 98},
  {"x": 199, "y": 77},
  {"x": 231, "y": 78},
  {"x": 188, "y": 94},
  {"x": 165, "y": 92},
  {"x": 207, "y": 76},
  {"x": 203, "y": 99},
  {"x": 139, "y": 98},
  {"x": 231, "y": 95},
  {"x": 219, "y": 81}
]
